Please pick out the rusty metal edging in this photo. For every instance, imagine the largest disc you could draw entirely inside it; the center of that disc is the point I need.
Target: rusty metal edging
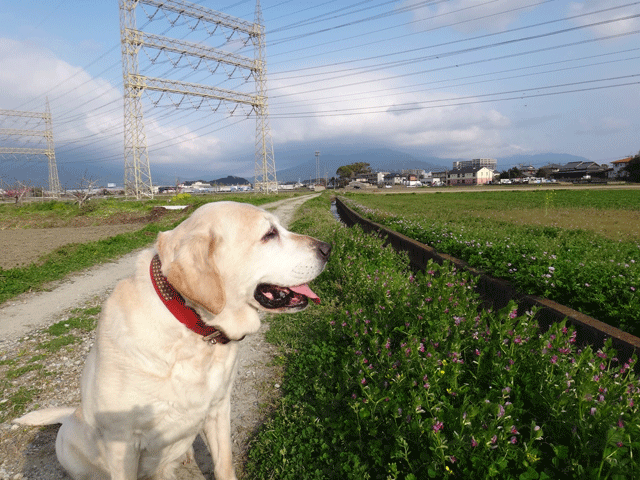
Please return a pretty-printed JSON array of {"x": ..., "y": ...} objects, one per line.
[{"x": 498, "y": 292}]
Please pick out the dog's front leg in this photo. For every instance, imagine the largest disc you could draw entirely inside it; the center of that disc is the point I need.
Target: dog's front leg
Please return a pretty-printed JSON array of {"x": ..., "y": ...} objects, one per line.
[
  {"x": 217, "y": 430},
  {"x": 122, "y": 458}
]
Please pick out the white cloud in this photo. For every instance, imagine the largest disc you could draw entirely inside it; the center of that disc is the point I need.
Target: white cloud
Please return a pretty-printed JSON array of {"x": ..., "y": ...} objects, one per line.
[
  {"x": 87, "y": 112},
  {"x": 358, "y": 110},
  {"x": 468, "y": 15},
  {"x": 612, "y": 28}
]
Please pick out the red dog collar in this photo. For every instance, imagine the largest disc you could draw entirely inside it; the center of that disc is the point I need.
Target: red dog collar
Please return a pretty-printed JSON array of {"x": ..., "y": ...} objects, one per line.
[{"x": 176, "y": 305}]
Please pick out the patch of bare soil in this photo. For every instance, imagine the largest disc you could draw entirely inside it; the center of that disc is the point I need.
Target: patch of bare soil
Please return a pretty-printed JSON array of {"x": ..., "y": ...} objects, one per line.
[{"x": 25, "y": 246}]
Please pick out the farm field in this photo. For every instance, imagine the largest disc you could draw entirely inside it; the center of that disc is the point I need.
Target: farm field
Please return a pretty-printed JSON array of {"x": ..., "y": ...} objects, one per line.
[
  {"x": 405, "y": 376},
  {"x": 580, "y": 248}
]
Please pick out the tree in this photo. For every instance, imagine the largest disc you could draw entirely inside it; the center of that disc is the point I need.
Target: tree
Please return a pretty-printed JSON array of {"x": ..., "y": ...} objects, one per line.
[
  {"x": 542, "y": 173},
  {"x": 84, "y": 189},
  {"x": 17, "y": 190},
  {"x": 633, "y": 169},
  {"x": 347, "y": 172}
]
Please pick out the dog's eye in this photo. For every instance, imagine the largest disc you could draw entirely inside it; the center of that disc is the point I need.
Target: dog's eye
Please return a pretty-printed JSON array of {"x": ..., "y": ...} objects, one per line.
[{"x": 271, "y": 234}]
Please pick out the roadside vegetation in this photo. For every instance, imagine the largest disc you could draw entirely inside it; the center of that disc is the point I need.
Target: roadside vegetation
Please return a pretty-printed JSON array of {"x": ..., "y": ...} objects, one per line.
[
  {"x": 579, "y": 248},
  {"x": 27, "y": 373},
  {"x": 399, "y": 375},
  {"x": 77, "y": 256}
]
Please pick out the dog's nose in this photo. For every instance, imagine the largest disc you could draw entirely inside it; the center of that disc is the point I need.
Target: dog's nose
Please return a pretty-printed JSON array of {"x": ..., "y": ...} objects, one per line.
[{"x": 324, "y": 250}]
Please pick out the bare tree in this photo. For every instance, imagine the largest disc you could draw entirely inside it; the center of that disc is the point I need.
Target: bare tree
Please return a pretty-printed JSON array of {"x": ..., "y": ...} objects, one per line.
[
  {"x": 17, "y": 190},
  {"x": 85, "y": 189}
]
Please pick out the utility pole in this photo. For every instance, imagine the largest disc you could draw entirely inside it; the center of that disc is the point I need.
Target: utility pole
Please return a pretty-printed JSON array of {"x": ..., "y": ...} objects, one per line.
[
  {"x": 46, "y": 134},
  {"x": 317, "y": 165}
]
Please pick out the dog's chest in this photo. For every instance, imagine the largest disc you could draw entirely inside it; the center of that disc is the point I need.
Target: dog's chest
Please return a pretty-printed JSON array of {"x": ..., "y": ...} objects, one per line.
[
  {"x": 203, "y": 378},
  {"x": 193, "y": 388}
]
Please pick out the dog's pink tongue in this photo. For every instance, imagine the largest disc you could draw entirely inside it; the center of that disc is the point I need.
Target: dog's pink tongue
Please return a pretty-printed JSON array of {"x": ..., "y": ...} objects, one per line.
[{"x": 306, "y": 291}]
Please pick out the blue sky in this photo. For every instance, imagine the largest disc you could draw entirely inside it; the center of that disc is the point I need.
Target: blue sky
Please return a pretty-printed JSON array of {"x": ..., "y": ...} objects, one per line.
[{"x": 450, "y": 78}]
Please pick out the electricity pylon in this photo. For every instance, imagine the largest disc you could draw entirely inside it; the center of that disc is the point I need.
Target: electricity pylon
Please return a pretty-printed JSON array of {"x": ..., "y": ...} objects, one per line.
[
  {"x": 265, "y": 172},
  {"x": 137, "y": 170},
  {"x": 46, "y": 134}
]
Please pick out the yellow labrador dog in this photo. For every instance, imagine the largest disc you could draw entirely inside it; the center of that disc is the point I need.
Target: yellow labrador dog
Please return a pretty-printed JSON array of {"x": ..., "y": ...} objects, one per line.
[{"x": 164, "y": 360}]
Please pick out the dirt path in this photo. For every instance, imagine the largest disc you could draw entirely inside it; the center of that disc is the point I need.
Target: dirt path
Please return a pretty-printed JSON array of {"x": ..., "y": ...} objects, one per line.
[{"x": 28, "y": 453}]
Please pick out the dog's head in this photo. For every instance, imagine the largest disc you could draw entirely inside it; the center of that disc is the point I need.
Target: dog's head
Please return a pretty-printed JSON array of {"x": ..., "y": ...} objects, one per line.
[{"x": 231, "y": 259}]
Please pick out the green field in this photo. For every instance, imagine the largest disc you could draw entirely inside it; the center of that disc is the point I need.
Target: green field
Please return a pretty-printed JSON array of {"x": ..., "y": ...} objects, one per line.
[
  {"x": 613, "y": 213},
  {"x": 551, "y": 243}
]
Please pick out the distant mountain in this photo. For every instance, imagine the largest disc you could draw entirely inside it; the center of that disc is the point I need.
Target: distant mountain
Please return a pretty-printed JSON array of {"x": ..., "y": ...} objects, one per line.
[
  {"x": 380, "y": 159},
  {"x": 230, "y": 180}
]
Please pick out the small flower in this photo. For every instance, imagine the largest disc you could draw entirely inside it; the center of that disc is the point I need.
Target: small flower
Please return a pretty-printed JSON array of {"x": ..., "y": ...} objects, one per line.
[
  {"x": 514, "y": 440},
  {"x": 474, "y": 444},
  {"x": 437, "y": 426}
]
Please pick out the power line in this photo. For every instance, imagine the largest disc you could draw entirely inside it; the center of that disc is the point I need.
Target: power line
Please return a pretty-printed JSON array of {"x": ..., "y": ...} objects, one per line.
[{"x": 466, "y": 100}]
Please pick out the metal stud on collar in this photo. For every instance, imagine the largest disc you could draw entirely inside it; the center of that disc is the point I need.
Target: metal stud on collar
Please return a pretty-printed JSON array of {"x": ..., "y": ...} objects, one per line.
[{"x": 213, "y": 338}]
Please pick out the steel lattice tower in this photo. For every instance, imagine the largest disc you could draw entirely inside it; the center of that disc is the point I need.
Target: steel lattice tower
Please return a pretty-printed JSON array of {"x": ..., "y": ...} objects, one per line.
[
  {"x": 265, "y": 173},
  {"x": 54, "y": 181},
  {"x": 47, "y": 134},
  {"x": 137, "y": 172}
]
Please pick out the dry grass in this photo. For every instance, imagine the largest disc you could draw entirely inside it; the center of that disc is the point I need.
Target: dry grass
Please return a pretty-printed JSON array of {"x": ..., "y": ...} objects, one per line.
[{"x": 612, "y": 224}]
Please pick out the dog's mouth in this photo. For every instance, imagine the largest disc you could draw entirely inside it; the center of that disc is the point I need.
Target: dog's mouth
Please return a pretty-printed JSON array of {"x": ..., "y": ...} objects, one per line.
[{"x": 274, "y": 297}]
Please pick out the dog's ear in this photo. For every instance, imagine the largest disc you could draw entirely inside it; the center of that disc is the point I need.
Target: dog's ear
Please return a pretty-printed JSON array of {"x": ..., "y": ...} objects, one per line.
[{"x": 192, "y": 270}]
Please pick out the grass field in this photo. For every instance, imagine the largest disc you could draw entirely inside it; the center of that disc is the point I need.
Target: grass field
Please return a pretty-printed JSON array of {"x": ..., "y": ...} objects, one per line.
[
  {"x": 579, "y": 248},
  {"x": 614, "y": 213}
]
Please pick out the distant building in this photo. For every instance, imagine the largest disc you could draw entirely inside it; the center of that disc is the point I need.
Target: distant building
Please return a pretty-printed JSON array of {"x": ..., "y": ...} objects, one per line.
[
  {"x": 373, "y": 178},
  {"x": 618, "y": 168},
  {"x": 470, "y": 176},
  {"x": 547, "y": 170},
  {"x": 490, "y": 163},
  {"x": 393, "y": 179},
  {"x": 413, "y": 171},
  {"x": 574, "y": 171}
]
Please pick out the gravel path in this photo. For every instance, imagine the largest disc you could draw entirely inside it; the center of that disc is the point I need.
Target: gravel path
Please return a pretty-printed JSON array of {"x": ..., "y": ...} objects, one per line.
[{"x": 29, "y": 453}]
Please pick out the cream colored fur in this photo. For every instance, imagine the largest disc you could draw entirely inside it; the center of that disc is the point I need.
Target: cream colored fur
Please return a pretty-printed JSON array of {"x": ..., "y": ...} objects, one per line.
[{"x": 150, "y": 385}]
